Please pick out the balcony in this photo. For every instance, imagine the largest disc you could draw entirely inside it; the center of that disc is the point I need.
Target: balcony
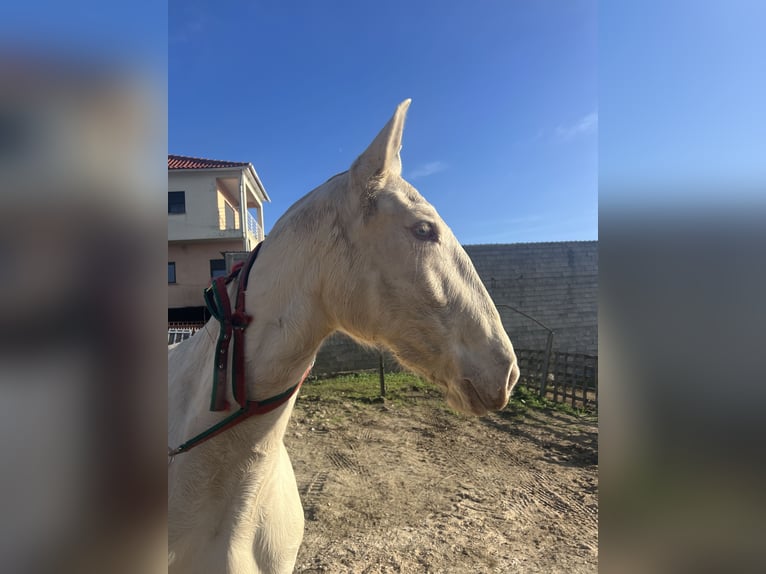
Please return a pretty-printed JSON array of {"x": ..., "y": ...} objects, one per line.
[
  {"x": 253, "y": 227},
  {"x": 228, "y": 220}
]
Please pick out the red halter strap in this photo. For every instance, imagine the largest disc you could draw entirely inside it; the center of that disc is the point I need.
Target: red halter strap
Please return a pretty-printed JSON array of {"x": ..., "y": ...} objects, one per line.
[{"x": 233, "y": 325}]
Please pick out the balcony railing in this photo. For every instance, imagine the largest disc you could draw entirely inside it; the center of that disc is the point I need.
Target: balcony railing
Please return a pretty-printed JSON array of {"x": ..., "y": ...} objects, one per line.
[
  {"x": 253, "y": 227},
  {"x": 228, "y": 220}
]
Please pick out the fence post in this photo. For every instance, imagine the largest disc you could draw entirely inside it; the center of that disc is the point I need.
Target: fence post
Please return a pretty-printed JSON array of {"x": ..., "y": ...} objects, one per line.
[
  {"x": 382, "y": 376},
  {"x": 546, "y": 364},
  {"x": 548, "y": 346}
]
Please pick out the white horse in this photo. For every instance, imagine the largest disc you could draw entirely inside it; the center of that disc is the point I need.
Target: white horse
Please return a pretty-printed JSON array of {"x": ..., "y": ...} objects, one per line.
[{"x": 364, "y": 254}]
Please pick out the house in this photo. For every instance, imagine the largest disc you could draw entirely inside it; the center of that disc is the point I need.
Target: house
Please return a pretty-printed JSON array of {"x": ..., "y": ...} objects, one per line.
[{"x": 207, "y": 221}]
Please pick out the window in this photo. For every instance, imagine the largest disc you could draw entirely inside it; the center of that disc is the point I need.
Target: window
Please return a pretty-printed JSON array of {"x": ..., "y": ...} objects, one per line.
[
  {"x": 217, "y": 268},
  {"x": 176, "y": 202},
  {"x": 171, "y": 272}
]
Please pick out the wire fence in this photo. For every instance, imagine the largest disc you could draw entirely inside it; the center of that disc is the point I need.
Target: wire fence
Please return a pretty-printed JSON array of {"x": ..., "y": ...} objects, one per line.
[{"x": 570, "y": 378}]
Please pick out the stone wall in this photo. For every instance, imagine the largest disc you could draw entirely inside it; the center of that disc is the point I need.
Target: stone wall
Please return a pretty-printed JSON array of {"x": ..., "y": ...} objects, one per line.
[{"x": 556, "y": 283}]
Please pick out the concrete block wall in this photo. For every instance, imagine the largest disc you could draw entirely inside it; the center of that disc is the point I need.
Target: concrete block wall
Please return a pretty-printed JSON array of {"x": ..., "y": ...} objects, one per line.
[
  {"x": 556, "y": 283},
  {"x": 341, "y": 354}
]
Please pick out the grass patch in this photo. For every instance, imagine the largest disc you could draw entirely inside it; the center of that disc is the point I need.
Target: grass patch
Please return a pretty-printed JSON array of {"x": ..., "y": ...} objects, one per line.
[
  {"x": 365, "y": 388},
  {"x": 406, "y": 388},
  {"x": 524, "y": 398}
]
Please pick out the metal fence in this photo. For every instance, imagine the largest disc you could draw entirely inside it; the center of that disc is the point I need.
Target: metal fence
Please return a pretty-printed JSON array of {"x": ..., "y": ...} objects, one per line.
[
  {"x": 178, "y": 332},
  {"x": 570, "y": 378},
  {"x": 228, "y": 219},
  {"x": 253, "y": 227}
]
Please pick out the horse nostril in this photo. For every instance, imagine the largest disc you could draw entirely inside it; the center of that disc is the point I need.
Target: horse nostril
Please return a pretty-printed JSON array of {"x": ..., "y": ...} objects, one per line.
[{"x": 514, "y": 376}]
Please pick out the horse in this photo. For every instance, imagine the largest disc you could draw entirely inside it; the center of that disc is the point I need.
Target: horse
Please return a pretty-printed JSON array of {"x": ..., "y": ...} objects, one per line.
[{"x": 364, "y": 254}]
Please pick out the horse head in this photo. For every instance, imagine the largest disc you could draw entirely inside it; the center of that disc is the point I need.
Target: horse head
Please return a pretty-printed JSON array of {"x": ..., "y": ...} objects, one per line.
[{"x": 413, "y": 288}]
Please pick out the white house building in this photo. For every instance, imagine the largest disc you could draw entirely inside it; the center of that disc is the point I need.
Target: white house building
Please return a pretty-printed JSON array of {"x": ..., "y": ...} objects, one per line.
[{"x": 214, "y": 208}]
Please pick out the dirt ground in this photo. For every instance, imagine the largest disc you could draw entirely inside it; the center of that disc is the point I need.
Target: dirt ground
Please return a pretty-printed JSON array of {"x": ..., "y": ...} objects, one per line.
[{"x": 414, "y": 487}]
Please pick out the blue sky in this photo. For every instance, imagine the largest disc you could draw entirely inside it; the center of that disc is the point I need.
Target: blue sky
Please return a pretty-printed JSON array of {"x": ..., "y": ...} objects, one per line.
[
  {"x": 682, "y": 104},
  {"x": 501, "y": 136}
]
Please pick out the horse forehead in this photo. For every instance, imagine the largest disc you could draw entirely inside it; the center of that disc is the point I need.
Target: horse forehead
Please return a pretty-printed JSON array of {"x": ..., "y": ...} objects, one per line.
[
  {"x": 412, "y": 200},
  {"x": 411, "y": 194}
]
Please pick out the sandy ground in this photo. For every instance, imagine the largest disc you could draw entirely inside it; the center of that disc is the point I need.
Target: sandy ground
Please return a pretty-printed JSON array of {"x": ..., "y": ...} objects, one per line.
[{"x": 413, "y": 487}]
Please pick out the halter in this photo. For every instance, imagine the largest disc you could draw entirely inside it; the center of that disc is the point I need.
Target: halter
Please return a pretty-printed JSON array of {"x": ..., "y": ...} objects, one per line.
[{"x": 233, "y": 325}]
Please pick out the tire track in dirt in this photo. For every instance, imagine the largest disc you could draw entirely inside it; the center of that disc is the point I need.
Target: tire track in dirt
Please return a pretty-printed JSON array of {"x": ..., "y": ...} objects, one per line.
[
  {"x": 344, "y": 486},
  {"x": 533, "y": 487},
  {"x": 406, "y": 489},
  {"x": 430, "y": 444},
  {"x": 311, "y": 494},
  {"x": 347, "y": 461},
  {"x": 509, "y": 492},
  {"x": 365, "y": 435},
  {"x": 540, "y": 492}
]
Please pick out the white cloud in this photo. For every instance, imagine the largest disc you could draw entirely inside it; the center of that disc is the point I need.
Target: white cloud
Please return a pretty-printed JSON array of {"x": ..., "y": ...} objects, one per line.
[
  {"x": 584, "y": 125},
  {"x": 427, "y": 169},
  {"x": 186, "y": 31}
]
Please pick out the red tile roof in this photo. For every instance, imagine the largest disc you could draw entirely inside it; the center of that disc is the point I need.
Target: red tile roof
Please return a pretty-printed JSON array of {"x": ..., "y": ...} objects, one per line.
[{"x": 186, "y": 162}]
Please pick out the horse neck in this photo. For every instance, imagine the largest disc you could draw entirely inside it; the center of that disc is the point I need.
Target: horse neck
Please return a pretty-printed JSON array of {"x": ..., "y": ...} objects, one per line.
[
  {"x": 285, "y": 298},
  {"x": 300, "y": 279}
]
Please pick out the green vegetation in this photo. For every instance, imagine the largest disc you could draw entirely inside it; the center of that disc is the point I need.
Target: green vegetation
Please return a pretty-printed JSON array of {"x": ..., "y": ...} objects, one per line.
[
  {"x": 406, "y": 388},
  {"x": 524, "y": 398},
  {"x": 365, "y": 388}
]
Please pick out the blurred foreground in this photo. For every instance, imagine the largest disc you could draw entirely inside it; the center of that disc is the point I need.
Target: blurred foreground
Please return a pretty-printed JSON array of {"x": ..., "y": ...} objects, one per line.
[{"x": 82, "y": 314}]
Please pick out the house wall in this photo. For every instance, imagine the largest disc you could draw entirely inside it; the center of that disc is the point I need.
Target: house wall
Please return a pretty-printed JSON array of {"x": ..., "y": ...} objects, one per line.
[
  {"x": 203, "y": 199},
  {"x": 193, "y": 270},
  {"x": 556, "y": 283},
  {"x": 224, "y": 200}
]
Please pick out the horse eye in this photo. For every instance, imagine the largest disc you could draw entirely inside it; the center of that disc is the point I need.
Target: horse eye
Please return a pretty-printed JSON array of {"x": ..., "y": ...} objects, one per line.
[{"x": 424, "y": 230}]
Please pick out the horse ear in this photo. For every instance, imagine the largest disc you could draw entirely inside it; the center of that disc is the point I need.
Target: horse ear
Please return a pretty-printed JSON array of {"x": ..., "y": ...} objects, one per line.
[{"x": 381, "y": 158}]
